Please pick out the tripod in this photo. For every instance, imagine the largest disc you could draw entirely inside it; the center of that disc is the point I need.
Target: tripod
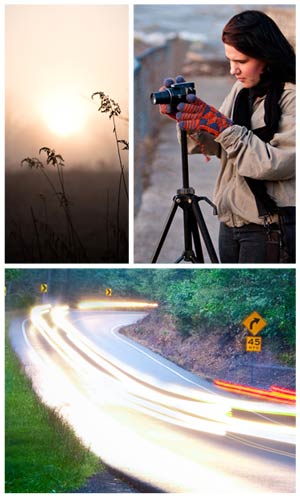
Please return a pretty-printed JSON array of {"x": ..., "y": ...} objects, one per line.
[{"x": 193, "y": 219}]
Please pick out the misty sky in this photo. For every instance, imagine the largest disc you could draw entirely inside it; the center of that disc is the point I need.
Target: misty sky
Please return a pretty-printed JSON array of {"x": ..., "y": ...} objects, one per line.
[{"x": 56, "y": 56}]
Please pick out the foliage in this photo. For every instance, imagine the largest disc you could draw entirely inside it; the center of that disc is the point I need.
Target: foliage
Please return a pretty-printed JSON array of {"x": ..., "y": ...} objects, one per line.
[
  {"x": 13, "y": 274},
  {"x": 225, "y": 297},
  {"x": 199, "y": 299}
]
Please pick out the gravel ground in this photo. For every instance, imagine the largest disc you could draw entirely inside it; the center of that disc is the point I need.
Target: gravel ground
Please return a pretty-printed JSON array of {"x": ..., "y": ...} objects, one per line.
[
  {"x": 106, "y": 482},
  {"x": 111, "y": 481}
]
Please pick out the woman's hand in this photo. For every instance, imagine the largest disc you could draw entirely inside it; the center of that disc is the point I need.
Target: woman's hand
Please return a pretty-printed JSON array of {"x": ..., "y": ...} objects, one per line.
[
  {"x": 200, "y": 116},
  {"x": 204, "y": 143},
  {"x": 195, "y": 115}
]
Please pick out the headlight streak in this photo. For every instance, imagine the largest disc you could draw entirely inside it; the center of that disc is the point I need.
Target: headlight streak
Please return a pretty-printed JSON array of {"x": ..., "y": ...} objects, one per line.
[
  {"x": 47, "y": 376},
  {"x": 103, "y": 412},
  {"x": 207, "y": 413},
  {"x": 147, "y": 394},
  {"x": 112, "y": 441},
  {"x": 232, "y": 424},
  {"x": 98, "y": 304},
  {"x": 52, "y": 337},
  {"x": 260, "y": 409}
]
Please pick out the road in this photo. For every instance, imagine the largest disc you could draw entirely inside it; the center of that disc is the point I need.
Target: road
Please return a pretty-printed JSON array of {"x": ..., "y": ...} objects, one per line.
[{"x": 146, "y": 416}]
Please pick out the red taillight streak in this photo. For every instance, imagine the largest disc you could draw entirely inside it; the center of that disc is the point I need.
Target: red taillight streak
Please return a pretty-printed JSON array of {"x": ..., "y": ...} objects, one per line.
[{"x": 281, "y": 395}]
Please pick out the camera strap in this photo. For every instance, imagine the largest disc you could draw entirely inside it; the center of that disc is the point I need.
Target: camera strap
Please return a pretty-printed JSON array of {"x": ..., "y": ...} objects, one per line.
[{"x": 266, "y": 206}]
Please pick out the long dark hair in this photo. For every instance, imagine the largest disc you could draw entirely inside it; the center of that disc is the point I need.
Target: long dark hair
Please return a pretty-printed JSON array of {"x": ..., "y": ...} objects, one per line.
[{"x": 255, "y": 34}]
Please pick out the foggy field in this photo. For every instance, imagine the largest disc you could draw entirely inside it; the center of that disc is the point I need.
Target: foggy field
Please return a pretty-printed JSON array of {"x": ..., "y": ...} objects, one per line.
[{"x": 35, "y": 224}]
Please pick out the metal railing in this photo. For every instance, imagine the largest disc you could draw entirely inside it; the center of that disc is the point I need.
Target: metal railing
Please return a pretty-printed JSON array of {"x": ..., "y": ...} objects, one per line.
[{"x": 249, "y": 371}]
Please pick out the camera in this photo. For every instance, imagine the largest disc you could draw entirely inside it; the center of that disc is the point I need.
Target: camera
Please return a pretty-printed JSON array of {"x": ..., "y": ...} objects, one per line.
[{"x": 174, "y": 94}]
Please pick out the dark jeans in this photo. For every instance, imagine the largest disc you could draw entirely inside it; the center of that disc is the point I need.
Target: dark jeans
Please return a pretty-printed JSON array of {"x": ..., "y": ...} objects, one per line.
[
  {"x": 248, "y": 244},
  {"x": 287, "y": 221}
]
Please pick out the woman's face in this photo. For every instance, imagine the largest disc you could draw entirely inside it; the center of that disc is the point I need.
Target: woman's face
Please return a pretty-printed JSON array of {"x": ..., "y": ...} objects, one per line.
[{"x": 246, "y": 69}]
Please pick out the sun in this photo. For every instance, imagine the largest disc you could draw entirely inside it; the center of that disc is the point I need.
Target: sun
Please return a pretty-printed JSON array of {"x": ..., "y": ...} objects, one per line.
[{"x": 64, "y": 114}]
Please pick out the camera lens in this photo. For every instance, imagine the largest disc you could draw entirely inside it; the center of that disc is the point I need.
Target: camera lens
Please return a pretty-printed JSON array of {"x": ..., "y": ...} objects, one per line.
[{"x": 163, "y": 97}]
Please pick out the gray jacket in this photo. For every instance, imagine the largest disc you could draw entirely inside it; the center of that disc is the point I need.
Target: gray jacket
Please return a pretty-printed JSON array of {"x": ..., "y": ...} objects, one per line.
[{"x": 243, "y": 154}]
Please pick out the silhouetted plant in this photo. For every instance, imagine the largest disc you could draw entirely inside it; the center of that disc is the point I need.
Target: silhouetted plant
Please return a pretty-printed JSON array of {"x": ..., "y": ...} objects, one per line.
[
  {"x": 112, "y": 108},
  {"x": 74, "y": 244}
]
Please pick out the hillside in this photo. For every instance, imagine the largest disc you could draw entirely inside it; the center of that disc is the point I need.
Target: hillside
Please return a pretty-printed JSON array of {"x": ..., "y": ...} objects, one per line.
[{"x": 219, "y": 353}]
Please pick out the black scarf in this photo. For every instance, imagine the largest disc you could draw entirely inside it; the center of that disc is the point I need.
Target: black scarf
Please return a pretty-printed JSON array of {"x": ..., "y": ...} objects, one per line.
[{"x": 242, "y": 116}]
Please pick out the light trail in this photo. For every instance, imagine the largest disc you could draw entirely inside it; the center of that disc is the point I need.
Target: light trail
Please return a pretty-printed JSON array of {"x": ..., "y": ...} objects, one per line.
[
  {"x": 197, "y": 410},
  {"x": 275, "y": 393},
  {"x": 145, "y": 394},
  {"x": 96, "y": 305},
  {"x": 105, "y": 396}
]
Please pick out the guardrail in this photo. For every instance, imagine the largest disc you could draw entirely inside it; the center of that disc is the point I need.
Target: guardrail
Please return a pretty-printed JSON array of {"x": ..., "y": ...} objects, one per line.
[{"x": 258, "y": 375}]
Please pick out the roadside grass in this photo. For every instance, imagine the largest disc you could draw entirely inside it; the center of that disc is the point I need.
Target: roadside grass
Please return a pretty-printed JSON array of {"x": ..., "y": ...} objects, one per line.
[{"x": 42, "y": 452}]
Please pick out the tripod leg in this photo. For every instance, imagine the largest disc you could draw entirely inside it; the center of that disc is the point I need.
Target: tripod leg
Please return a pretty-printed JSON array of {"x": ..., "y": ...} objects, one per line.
[
  {"x": 187, "y": 227},
  {"x": 187, "y": 256},
  {"x": 204, "y": 232},
  {"x": 164, "y": 232},
  {"x": 190, "y": 232},
  {"x": 181, "y": 258},
  {"x": 196, "y": 238}
]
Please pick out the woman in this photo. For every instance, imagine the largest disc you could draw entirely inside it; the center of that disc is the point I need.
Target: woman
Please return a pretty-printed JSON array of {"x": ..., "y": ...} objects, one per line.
[{"x": 253, "y": 134}]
